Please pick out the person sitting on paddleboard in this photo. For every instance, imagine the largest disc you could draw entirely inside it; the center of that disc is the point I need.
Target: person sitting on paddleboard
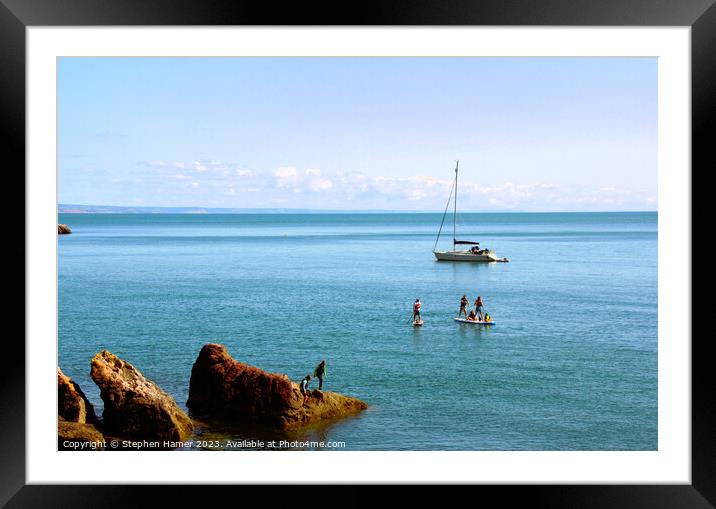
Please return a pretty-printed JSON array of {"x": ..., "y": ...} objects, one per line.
[
  {"x": 416, "y": 310},
  {"x": 304, "y": 388},
  {"x": 488, "y": 318},
  {"x": 473, "y": 316},
  {"x": 463, "y": 306},
  {"x": 479, "y": 306}
]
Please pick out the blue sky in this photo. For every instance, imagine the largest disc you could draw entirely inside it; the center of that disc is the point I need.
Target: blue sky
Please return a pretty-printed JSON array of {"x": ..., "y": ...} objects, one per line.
[{"x": 531, "y": 134}]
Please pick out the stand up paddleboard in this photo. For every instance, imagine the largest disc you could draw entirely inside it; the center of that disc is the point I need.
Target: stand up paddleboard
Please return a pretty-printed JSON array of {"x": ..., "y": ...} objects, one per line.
[
  {"x": 475, "y": 322},
  {"x": 417, "y": 322}
]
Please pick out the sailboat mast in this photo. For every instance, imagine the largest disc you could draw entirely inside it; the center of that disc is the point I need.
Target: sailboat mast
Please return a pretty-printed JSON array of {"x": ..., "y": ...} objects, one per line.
[
  {"x": 454, "y": 216},
  {"x": 442, "y": 221}
]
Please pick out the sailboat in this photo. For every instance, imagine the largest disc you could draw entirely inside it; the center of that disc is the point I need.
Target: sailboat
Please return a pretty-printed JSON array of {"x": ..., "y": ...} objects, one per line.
[{"x": 473, "y": 254}]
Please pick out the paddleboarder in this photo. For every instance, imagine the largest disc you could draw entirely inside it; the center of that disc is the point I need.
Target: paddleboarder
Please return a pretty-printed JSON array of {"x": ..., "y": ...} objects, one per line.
[
  {"x": 463, "y": 306},
  {"x": 416, "y": 311},
  {"x": 479, "y": 307}
]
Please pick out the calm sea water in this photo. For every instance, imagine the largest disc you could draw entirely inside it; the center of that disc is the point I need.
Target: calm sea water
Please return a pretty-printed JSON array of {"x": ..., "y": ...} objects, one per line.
[{"x": 571, "y": 363}]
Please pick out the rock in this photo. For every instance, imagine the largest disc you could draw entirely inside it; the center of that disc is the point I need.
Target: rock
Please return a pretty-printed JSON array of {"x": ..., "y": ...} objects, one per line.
[
  {"x": 72, "y": 404},
  {"x": 77, "y": 423},
  {"x": 63, "y": 229},
  {"x": 223, "y": 387},
  {"x": 78, "y": 436},
  {"x": 134, "y": 407}
]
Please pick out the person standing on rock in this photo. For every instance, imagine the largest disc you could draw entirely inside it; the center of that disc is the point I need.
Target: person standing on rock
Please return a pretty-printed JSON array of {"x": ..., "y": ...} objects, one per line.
[
  {"x": 304, "y": 388},
  {"x": 320, "y": 373}
]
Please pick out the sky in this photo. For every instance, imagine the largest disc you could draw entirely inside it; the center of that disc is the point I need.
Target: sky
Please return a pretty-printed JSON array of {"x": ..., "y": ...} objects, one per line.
[{"x": 531, "y": 134}]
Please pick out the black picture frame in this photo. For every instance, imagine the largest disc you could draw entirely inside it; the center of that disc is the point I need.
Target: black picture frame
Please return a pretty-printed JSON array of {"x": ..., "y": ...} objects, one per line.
[{"x": 17, "y": 15}]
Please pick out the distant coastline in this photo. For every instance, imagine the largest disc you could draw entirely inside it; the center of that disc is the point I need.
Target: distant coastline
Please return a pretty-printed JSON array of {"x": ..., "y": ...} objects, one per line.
[{"x": 117, "y": 209}]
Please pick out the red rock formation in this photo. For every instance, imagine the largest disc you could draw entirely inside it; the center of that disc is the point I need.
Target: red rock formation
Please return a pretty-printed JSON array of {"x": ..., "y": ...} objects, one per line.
[
  {"x": 76, "y": 421},
  {"x": 223, "y": 387},
  {"x": 134, "y": 407},
  {"x": 77, "y": 436},
  {"x": 72, "y": 404}
]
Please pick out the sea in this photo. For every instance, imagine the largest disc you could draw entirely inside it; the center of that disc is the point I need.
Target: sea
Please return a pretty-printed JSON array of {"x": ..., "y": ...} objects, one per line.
[{"x": 569, "y": 364}]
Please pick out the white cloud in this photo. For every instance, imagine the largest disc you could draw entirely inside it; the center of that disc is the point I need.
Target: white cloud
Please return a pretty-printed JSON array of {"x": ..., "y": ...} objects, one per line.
[
  {"x": 198, "y": 166},
  {"x": 286, "y": 172},
  {"x": 319, "y": 185},
  {"x": 417, "y": 194},
  {"x": 206, "y": 172},
  {"x": 291, "y": 186},
  {"x": 287, "y": 176}
]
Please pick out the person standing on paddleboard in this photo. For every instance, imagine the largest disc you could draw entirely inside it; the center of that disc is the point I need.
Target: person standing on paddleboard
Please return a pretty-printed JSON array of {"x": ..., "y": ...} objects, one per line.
[
  {"x": 479, "y": 308},
  {"x": 416, "y": 311},
  {"x": 320, "y": 373},
  {"x": 463, "y": 306}
]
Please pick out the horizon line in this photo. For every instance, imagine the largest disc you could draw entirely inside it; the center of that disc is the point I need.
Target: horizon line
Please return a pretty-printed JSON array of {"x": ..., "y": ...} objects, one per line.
[{"x": 237, "y": 210}]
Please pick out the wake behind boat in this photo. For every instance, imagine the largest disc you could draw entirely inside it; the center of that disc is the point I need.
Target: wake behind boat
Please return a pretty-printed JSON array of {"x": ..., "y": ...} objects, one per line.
[{"x": 474, "y": 254}]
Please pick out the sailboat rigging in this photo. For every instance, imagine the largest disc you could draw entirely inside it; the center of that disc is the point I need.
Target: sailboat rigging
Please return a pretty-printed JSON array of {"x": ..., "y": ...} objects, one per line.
[{"x": 474, "y": 254}]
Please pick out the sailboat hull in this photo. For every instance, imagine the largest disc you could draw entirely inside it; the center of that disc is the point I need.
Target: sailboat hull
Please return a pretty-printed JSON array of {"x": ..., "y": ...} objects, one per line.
[{"x": 466, "y": 256}]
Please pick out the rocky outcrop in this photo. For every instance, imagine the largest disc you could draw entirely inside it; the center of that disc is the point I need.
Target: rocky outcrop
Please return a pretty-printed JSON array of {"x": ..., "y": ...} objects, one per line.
[
  {"x": 78, "y": 436},
  {"x": 63, "y": 229},
  {"x": 76, "y": 420},
  {"x": 223, "y": 387},
  {"x": 72, "y": 404},
  {"x": 135, "y": 407}
]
